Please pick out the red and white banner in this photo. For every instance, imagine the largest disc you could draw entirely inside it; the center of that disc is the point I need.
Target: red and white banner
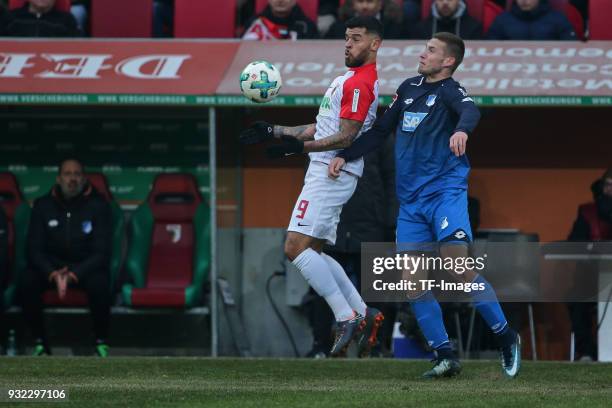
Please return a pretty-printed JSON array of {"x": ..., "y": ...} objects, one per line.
[
  {"x": 115, "y": 67},
  {"x": 207, "y": 71}
]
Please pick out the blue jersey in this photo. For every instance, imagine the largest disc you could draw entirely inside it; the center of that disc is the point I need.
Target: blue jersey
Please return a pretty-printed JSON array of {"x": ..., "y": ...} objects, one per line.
[{"x": 424, "y": 116}]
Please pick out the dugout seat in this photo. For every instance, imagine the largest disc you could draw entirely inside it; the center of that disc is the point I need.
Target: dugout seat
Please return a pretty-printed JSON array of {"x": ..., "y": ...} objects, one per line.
[
  {"x": 600, "y": 16},
  {"x": 61, "y": 5},
  {"x": 474, "y": 7},
  {"x": 169, "y": 253},
  {"x": 77, "y": 297},
  {"x": 17, "y": 212},
  {"x": 120, "y": 18},
  {"x": 309, "y": 7},
  {"x": 197, "y": 19}
]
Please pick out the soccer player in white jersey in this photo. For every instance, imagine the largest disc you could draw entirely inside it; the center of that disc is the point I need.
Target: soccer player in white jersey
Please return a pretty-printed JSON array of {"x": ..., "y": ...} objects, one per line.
[{"x": 348, "y": 109}]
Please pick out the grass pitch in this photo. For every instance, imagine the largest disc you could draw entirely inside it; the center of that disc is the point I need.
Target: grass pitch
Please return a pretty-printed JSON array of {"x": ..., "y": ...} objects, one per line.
[{"x": 263, "y": 383}]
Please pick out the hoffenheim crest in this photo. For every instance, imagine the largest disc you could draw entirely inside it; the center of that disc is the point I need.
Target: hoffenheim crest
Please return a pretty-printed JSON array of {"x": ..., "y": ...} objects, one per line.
[
  {"x": 431, "y": 99},
  {"x": 86, "y": 226}
]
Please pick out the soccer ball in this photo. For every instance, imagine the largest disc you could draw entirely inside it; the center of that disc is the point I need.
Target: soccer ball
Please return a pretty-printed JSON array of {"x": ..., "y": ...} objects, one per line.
[{"x": 260, "y": 81}]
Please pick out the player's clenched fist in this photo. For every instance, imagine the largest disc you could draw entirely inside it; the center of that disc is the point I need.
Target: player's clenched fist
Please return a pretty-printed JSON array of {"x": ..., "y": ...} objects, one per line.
[
  {"x": 333, "y": 170},
  {"x": 258, "y": 132}
]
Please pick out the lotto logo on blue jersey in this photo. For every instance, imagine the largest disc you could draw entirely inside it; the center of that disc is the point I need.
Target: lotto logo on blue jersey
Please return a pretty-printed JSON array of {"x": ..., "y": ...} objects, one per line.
[{"x": 412, "y": 120}]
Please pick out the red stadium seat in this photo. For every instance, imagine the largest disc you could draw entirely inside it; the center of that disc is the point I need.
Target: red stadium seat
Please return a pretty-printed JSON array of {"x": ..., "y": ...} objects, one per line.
[
  {"x": 475, "y": 8},
  {"x": 490, "y": 12},
  {"x": 600, "y": 16},
  {"x": 78, "y": 297},
  {"x": 425, "y": 9},
  {"x": 120, "y": 18},
  {"x": 169, "y": 252},
  {"x": 10, "y": 199},
  {"x": 61, "y": 5},
  {"x": 17, "y": 212},
  {"x": 575, "y": 19},
  {"x": 310, "y": 7},
  {"x": 98, "y": 180},
  {"x": 197, "y": 19}
]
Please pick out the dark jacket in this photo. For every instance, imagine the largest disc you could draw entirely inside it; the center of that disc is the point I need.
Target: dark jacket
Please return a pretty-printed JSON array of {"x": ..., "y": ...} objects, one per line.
[
  {"x": 370, "y": 215},
  {"x": 328, "y": 7},
  {"x": 594, "y": 220},
  {"x": 281, "y": 28},
  {"x": 3, "y": 251},
  {"x": 461, "y": 24},
  {"x": 390, "y": 17},
  {"x": 542, "y": 23},
  {"x": 21, "y": 23},
  {"x": 75, "y": 233}
]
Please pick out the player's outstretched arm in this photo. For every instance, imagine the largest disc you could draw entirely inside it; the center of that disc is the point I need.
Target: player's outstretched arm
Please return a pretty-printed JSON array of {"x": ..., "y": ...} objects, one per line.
[
  {"x": 261, "y": 131},
  {"x": 342, "y": 139},
  {"x": 303, "y": 132},
  {"x": 292, "y": 145}
]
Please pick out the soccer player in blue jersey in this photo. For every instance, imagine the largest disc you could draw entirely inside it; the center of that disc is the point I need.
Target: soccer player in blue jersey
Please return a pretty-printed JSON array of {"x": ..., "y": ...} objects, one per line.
[{"x": 432, "y": 116}]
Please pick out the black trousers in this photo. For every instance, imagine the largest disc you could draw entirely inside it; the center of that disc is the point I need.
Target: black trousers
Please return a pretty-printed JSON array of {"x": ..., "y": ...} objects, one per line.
[
  {"x": 582, "y": 315},
  {"x": 95, "y": 285}
]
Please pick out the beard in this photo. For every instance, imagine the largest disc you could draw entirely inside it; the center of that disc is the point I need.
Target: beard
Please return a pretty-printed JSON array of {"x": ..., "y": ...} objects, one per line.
[
  {"x": 358, "y": 61},
  {"x": 70, "y": 193}
]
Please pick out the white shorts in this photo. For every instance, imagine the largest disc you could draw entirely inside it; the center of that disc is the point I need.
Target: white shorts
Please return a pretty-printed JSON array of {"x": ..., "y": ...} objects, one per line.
[{"x": 317, "y": 210}]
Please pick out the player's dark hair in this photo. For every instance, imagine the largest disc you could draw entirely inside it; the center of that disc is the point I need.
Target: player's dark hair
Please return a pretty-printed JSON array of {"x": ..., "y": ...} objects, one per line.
[
  {"x": 67, "y": 159},
  {"x": 455, "y": 47},
  {"x": 371, "y": 24}
]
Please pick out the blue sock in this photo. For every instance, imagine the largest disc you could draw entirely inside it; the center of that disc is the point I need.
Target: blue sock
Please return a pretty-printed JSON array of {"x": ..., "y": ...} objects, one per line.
[
  {"x": 429, "y": 316},
  {"x": 485, "y": 301}
]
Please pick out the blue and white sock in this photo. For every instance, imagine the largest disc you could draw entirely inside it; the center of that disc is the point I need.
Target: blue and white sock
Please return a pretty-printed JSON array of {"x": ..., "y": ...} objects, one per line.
[
  {"x": 485, "y": 301},
  {"x": 429, "y": 316}
]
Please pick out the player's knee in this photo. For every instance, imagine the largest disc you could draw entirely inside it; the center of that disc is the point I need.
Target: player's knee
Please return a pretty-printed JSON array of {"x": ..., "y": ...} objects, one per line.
[{"x": 293, "y": 248}]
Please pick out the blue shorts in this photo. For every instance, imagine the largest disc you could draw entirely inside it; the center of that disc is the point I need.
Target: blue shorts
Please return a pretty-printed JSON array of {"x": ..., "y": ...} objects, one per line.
[{"x": 441, "y": 217}]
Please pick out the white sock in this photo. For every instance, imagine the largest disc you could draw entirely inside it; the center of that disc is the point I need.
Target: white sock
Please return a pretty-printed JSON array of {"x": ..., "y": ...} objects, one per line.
[
  {"x": 351, "y": 294},
  {"x": 319, "y": 276}
]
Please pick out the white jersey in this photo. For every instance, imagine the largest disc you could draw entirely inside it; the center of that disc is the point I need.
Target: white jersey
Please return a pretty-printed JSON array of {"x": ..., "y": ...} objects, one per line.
[{"x": 354, "y": 96}]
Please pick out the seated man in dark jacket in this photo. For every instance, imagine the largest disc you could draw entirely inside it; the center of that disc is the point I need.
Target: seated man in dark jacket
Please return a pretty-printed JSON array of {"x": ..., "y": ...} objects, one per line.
[
  {"x": 593, "y": 223},
  {"x": 450, "y": 16},
  {"x": 531, "y": 20},
  {"x": 69, "y": 241},
  {"x": 281, "y": 20},
  {"x": 38, "y": 18}
]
